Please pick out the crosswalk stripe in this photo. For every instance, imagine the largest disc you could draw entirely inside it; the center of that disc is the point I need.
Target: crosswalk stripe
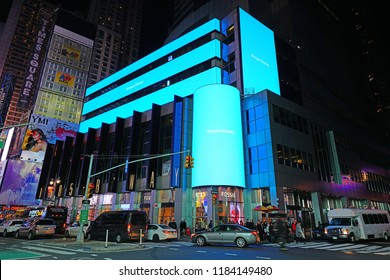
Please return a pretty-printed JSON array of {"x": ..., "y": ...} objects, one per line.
[
  {"x": 315, "y": 246},
  {"x": 368, "y": 249},
  {"x": 334, "y": 247},
  {"x": 48, "y": 250},
  {"x": 383, "y": 253},
  {"x": 348, "y": 247}
]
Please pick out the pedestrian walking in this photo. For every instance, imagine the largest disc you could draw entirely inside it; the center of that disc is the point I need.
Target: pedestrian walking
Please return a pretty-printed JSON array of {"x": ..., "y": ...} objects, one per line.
[{"x": 299, "y": 234}]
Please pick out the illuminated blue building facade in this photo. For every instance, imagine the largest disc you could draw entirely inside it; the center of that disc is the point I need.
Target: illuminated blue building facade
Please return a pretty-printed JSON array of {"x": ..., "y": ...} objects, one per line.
[
  {"x": 212, "y": 93},
  {"x": 201, "y": 77}
]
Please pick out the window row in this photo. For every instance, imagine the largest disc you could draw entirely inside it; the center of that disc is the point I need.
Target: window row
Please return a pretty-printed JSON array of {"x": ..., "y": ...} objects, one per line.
[
  {"x": 290, "y": 119},
  {"x": 295, "y": 158}
]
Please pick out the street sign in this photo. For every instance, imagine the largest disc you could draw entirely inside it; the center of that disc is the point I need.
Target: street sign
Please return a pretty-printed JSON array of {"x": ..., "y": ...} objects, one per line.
[
  {"x": 214, "y": 192},
  {"x": 86, "y": 202},
  {"x": 84, "y": 216}
]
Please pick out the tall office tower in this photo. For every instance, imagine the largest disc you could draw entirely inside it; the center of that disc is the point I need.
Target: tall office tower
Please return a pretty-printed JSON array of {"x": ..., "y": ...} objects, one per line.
[
  {"x": 333, "y": 72},
  {"x": 117, "y": 38},
  {"x": 65, "y": 69},
  {"x": 16, "y": 47},
  {"x": 376, "y": 61}
]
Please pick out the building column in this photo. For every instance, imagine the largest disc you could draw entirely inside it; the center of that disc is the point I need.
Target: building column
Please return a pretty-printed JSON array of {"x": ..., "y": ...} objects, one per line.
[{"x": 316, "y": 201}]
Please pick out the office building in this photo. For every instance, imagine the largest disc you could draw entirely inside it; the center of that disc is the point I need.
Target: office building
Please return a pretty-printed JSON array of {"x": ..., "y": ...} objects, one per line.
[{"x": 256, "y": 112}]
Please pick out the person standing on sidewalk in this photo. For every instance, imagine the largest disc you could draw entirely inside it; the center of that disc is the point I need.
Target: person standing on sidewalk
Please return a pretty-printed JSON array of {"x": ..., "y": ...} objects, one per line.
[
  {"x": 183, "y": 227},
  {"x": 299, "y": 234}
]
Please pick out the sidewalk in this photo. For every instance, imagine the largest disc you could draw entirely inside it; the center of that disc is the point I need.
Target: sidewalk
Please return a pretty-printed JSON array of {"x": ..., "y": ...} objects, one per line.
[{"x": 95, "y": 245}]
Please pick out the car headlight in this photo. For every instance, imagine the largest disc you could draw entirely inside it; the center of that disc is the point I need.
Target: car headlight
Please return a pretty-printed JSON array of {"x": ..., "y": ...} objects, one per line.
[
  {"x": 326, "y": 231},
  {"x": 344, "y": 231}
]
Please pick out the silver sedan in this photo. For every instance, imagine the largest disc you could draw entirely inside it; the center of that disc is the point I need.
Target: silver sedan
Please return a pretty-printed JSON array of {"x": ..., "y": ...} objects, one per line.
[{"x": 228, "y": 233}]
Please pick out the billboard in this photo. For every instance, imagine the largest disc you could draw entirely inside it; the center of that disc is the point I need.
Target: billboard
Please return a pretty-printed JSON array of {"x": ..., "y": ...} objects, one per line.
[
  {"x": 44, "y": 130},
  {"x": 20, "y": 183},
  {"x": 65, "y": 79},
  {"x": 217, "y": 143},
  {"x": 259, "y": 65}
]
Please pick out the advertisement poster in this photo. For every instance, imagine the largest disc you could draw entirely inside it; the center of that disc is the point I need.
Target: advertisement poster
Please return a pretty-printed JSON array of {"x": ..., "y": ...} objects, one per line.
[
  {"x": 20, "y": 183},
  {"x": 42, "y": 131}
]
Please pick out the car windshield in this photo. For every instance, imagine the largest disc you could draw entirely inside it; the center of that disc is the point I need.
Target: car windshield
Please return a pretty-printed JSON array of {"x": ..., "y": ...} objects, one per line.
[{"x": 340, "y": 222}]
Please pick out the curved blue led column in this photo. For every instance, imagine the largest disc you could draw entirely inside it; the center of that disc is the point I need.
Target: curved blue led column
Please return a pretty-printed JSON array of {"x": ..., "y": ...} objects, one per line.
[{"x": 217, "y": 143}]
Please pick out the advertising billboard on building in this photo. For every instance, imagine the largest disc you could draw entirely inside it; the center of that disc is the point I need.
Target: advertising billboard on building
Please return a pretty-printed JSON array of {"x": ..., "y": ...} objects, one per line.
[
  {"x": 44, "y": 130},
  {"x": 259, "y": 65},
  {"x": 217, "y": 143}
]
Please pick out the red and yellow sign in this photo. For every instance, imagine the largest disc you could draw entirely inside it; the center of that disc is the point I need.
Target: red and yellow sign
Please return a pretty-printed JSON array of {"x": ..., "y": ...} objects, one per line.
[{"x": 65, "y": 79}]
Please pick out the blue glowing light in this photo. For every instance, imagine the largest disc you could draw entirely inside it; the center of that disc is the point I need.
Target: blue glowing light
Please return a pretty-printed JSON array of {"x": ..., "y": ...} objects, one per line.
[
  {"x": 217, "y": 143},
  {"x": 259, "y": 63}
]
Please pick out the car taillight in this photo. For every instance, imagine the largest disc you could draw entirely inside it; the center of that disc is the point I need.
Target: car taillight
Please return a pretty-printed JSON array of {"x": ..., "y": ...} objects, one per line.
[
  {"x": 165, "y": 231},
  {"x": 254, "y": 233},
  {"x": 128, "y": 228},
  {"x": 64, "y": 225}
]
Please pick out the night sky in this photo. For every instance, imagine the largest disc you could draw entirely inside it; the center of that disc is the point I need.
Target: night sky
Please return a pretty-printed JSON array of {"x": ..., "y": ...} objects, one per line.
[{"x": 158, "y": 18}]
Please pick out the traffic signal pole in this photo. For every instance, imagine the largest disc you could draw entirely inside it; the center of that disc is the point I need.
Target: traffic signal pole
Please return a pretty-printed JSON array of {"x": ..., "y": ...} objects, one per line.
[{"x": 80, "y": 235}]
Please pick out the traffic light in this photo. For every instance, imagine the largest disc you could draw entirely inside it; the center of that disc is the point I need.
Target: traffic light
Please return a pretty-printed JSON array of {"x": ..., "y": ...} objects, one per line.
[
  {"x": 215, "y": 198},
  {"x": 90, "y": 190},
  {"x": 187, "y": 164},
  {"x": 191, "y": 162}
]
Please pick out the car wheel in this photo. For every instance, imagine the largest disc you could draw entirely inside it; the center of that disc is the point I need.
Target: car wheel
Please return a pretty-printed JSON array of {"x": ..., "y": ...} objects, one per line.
[
  {"x": 17, "y": 234},
  {"x": 30, "y": 236},
  {"x": 200, "y": 241},
  {"x": 352, "y": 238},
  {"x": 241, "y": 242},
  {"x": 5, "y": 233},
  {"x": 156, "y": 238},
  {"x": 89, "y": 236},
  {"x": 118, "y": 238},
  {"x": 67, "y": 234}
]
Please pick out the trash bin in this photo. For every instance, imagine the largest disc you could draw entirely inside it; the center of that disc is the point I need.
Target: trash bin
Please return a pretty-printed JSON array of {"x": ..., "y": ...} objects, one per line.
[{"x": 188, "y": 231}]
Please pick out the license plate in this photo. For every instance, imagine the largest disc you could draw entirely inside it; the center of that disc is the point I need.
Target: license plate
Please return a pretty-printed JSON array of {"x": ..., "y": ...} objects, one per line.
[{"x": 334, "y": 237}]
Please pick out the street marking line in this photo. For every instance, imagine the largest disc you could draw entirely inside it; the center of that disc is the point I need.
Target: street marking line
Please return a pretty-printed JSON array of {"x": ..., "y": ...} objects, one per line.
[
  {"x": 201, "y": 252},
  {"x": 348, "y": 247},
  {"x": 264, "y": 258},
  {"x": 174, "y": 249},
  {"x": 230, "y": 254},
  {"x": 383, "y": 253},
  {"x": 48, "y": 250}
]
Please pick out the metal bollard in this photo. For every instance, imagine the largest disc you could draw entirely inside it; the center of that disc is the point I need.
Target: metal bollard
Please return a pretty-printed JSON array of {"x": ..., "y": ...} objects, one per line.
[
  {"x": 106, "y": 245},
  {"x": 140, "y": 237}
]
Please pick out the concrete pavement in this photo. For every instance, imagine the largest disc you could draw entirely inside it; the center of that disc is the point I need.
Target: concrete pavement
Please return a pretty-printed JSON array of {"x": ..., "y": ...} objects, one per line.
[{"x": 94, "y": 245}]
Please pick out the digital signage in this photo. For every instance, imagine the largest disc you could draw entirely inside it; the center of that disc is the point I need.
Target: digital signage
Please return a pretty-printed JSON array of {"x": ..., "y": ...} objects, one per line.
[
  {"x": 259, "y": 65},
  {"x": 217, "y": 146}
]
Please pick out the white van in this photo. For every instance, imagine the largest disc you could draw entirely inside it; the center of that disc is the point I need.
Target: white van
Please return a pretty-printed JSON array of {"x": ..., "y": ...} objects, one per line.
[{"x": 358, "y": 224}]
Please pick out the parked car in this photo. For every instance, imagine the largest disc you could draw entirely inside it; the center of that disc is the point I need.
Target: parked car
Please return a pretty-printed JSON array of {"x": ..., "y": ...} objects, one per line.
[
  {"x": 120, "y": 226},
  {"x": 36, "y": 228},
  {"x": 157, "y": 232},
  {"x": 9, "y": 227},
  {"x": 73, "y": 229},
  {"x": 227, "y": 233},
  {"x": 319, "y": 232}
]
